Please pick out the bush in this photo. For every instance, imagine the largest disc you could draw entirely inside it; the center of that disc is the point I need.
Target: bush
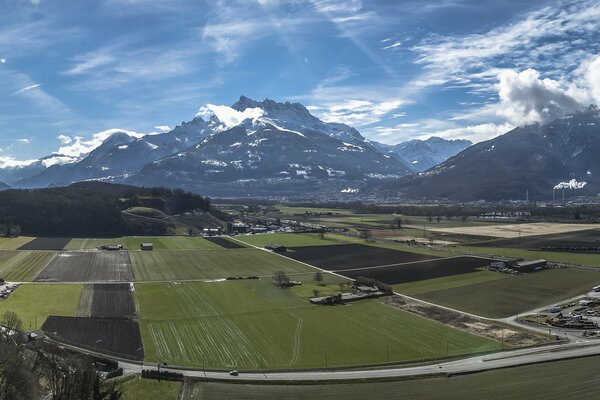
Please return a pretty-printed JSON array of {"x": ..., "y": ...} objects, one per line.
[{"x": 162, "y": 375}]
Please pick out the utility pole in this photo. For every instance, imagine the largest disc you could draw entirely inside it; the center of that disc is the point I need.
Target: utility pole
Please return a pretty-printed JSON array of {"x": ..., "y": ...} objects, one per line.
[
  {"x": 388, "y": 355},
  {"x": 326, "y": 360}
]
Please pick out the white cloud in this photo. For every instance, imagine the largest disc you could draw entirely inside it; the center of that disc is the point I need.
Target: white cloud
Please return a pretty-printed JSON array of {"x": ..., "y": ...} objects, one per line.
[
  {"x": 24, "y": 141},
  {"x": 78, "y": 146},
  {"x": 525, "y": 98},
  {"x": 27, "y": 88},
  {"x": 2, "y": 60},
  {"x": 392, "y": 46},
  {"x": 227, "y": 115},
  {"x": 593, "y": 79},
  {"x": 163, "y": 128},
  {"x": 10, "y": 162},
  {"x": 64, "y": 139},
  {"x": 58, "y": 160}
]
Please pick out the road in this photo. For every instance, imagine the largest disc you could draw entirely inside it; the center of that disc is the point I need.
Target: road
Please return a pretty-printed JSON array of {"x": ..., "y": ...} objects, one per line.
[{"x": 473, "y": 364}]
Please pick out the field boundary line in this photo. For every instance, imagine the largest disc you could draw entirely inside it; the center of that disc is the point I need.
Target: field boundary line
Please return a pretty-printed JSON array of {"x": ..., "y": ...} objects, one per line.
[{"x": 397, "y": 265}]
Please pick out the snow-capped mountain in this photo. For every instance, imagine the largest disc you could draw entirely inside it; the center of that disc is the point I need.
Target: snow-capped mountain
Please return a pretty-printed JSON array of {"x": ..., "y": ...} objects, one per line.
[
  {"x": 424, "y": 154},
  {"x": 266, "y": 142},
  {"x": 533, "y": 158},
  {"x": 280, "y": 145}
]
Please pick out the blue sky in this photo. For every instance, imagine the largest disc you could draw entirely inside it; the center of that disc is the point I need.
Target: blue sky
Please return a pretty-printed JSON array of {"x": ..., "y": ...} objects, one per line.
[{"x": 396, "y": 70}]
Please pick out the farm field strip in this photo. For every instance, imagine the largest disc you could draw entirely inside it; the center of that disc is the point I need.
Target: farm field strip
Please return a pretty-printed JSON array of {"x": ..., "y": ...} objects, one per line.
[
  {"x": 33, "y": 303},
  {"x": 175, "y": 265},
  {"x": 92, "y": 244},
  {"x": 15, "y": 243},
  {"x": 115, "y": 336},
  {"x": 447, "y": 282},
  {"x": 515, "y": 294},
  {"x": 348, "y": 256},
  {"x": 414, "y": 272},
  {"x": 113, "y": 300},
  {"x": 225, "y": 243},
  {"x": 290, "y": 239},
  {"x": 516, "y": 230},
  {"x": 85, "y": 301},
  {"x": 171, "y": 243},
  {"x": 45, "y": 243},
  {"x": 398, "y": 264},
  {"x": 555, "y": 256},
  {"x": 23, "y": 266},
  {"x": 88, "y": 267},
  {"x": 254, "y": 325}
]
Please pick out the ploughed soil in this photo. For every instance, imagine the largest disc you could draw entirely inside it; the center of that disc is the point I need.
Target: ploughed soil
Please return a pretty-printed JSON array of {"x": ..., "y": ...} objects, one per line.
[
  {"x": 224, "y": 242},
  {"x": 43, "y": 243}
]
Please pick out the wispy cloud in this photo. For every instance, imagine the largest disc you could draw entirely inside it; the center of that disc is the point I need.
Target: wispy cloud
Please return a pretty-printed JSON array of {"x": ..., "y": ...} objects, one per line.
[{"x": 27, "y": 88}]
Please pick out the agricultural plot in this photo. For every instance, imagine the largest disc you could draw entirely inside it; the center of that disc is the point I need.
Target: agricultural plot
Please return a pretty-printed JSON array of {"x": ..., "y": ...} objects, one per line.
[
  {"x": 447, "y": 282},
  {"x": 92, "y": 244},
  {"x": 516, "y": 230},
  {"x": 253, "y": 325},
  {"x": 516, "y": 294},
  {"x": 589, "y": 259},
  {"x": 88, "y": 267},
  {"x": 23, "y": 266},
  {"x": 421, "y": 270},
  {"x": 171, "y": 243},
  {"x": 15, "y": 243},
  {"x": 115, "y": 336},
  {"x": 44, "y": 243},
  {"x": 33, "y": 303},
  {"x": 290, "y": 239},
  {"x": 145, "y": 389},
  {"x": 557, "y": 380},
  {"x": 347, "y": 256},
  {"x": 225, "y": 243},
  {"x": 590, "y": 238},
  {"x": 181, "y": 265},
  {"x": 112, "y": 301}
]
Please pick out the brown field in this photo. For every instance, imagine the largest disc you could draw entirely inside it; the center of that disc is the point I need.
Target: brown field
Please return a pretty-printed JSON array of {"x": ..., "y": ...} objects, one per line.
[
  {"x": 515, "y": 230},
  {"x": 88, "y": 267}
]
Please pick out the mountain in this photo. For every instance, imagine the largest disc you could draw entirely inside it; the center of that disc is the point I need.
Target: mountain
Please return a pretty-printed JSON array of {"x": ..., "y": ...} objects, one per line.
[
  {"x": 121, "y": 154},
  {"x": 282, "y": 150},
  {"x": 533, "y": 158},
  {"x": 263, "y": 147},
  {"x": 424, "y": 154}
]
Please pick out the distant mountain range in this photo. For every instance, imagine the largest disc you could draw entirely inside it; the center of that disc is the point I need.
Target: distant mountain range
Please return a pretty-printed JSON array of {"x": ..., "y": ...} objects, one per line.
[
  {"x": 532, "y": 159},
  {"x": 261, "y": 148}
]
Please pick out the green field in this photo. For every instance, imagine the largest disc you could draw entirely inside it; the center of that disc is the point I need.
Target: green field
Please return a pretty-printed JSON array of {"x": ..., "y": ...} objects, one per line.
[
  {"x": 448, "y": 282},
  {"x": 89, "y": 244},
  {"x": 33, "y": 303},
  {"x": 171, "y": 243},
  {"x": 559, "y": 380},
  {"x": 15, "y": 243},
  {"x": 290, "y": 239},
  {"x": 182, "y": 265},
  {"x": 567, "y": 258},
  {"x": 23, "y": 266},
  {"x": 516, "y": 293},
  {"x": 302, "y": 210},
  {"x": 254, "y": 325},
  {"x": 145, "y": 389}
]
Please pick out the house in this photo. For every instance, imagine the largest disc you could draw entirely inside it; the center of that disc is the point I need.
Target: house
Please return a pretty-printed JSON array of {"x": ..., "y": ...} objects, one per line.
[
  {"x": 278, "y": 248},
  {"x": 530, "y": 266},
  {"x": 146, "y": 246}
]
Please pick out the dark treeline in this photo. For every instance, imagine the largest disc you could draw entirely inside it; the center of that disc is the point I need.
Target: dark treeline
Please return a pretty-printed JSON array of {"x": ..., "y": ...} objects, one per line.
[{"x": 87, "y": 209}]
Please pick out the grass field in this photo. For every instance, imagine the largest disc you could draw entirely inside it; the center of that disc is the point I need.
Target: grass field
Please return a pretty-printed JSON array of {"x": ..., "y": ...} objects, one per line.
[
  {"x": 515, "y": 294},
  {"x": 181, "y": 265},
  {"x": 145, "y": 389},
  {"x": 89, "y": 244},
  {"x": 171, "y": 243},
  {"x": 33, "y": 303},
  {"x": 23, "y": 266},
  {"x": 15, "y": 243},
  {"x": 290, "y": 239},
  {"x": 567, "y": 258},
  {"x": 447, "y": 282},
  {"x": 254, "y": 325},
  {"x": 516, "y": 230},
  {"x": 559, "y": 380}
]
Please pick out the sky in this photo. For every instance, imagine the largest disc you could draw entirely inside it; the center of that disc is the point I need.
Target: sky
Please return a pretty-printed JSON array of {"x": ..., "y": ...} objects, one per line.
[{"x": 72, "y": 71}]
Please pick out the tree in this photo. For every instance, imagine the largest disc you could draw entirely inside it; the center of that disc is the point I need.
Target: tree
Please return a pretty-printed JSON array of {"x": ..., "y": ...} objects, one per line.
[
  {"x": 399, "y": 223},
  {"x": 365, "y": 234},
  {"x": 438, "y": 219},
  {"x": 281, "y": 278},
  {"x": 315, "y": 293},
  {"x": 11, "y": 320},
  {"x": 429, "y": 218},
  {"x": 318, "y": 277}
]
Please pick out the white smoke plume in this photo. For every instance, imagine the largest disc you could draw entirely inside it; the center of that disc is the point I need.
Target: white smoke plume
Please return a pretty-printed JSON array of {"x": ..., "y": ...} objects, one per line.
[{"x": 573, "y": 184}]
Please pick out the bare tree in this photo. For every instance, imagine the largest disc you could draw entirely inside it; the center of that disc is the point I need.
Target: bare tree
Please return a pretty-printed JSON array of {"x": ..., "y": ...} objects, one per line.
[
  {"x": 281, "y": 278},
  {"x": 11, "y": 320},
  {"x": 438, "y": 219},
  {"x": 318, "y": 277},
  {"x": 365, "y": 234}
]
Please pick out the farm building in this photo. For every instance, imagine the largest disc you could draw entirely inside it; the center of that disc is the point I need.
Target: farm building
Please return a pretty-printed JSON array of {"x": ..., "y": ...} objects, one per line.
[
  {"x": 146, "y": 246},
  {"x": 241, "y": 228},
  {"x": 530, "y": 266},
  {"x": 278, "y": 248}
]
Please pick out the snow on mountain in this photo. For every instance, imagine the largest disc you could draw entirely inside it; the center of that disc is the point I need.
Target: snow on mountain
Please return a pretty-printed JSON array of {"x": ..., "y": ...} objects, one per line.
[{"x": 424, "y": 154}]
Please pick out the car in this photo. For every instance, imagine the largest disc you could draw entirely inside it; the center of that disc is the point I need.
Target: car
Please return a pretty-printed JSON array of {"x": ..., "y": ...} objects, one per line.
[{"x": 234, "y": 373}]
